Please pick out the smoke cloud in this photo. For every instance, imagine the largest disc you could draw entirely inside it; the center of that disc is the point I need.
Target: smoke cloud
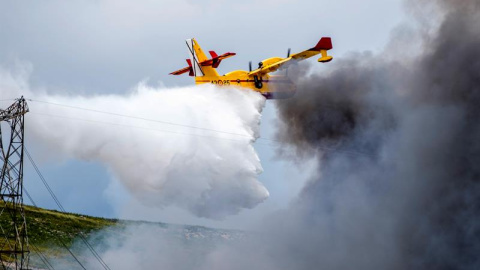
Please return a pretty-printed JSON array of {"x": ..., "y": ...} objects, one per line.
[
  {"x": 396, "y": 141},
  {"x": 409, "y": 197},
  {"x": 210, "y": 170}
]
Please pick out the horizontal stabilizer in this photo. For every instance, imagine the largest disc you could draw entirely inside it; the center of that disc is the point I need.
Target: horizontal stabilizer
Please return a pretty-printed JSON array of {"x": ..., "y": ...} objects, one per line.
[
  {"x": 214, "y": 62},
  {"x": 188, "y": 69},
  {"x": 180, "y": 71},
  {"x": 216, "y": 59}
]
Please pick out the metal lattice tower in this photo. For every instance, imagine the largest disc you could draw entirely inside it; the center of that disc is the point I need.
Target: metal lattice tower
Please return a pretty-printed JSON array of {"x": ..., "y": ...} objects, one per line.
[{"x": 14, "y": 250}]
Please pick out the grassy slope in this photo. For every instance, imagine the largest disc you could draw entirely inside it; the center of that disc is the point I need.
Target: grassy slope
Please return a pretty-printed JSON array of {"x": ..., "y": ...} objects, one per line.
[
  {"x": 50, "y": 227},
  {"x": 47, "y": 229}
]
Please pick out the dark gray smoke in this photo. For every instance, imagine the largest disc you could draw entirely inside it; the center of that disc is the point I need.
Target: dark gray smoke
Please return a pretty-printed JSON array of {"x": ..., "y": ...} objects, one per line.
[{"x": 402, "y": 191}]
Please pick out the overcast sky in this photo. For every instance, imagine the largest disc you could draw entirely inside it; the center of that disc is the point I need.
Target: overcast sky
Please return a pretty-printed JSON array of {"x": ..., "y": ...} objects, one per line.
[{"x": 96, "y": 47}]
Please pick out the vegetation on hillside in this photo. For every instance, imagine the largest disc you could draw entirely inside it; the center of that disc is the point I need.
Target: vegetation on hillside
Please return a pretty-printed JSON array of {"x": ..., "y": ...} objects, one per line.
[{"x": 49, "y": 231}]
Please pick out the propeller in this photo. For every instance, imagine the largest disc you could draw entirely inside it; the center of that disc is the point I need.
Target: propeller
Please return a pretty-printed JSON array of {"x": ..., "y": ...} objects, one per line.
[
  {"x": 288, "y": 55},
  {"x": 250, "y": 66}
]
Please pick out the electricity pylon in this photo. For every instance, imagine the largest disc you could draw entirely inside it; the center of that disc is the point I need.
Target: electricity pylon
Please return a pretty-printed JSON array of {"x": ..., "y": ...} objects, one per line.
[{"x": 14, "y": 250}]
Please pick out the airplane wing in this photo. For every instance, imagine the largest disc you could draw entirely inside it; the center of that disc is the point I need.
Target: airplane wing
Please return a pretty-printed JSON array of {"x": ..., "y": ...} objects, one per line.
[{"x": 275, "y": 63}]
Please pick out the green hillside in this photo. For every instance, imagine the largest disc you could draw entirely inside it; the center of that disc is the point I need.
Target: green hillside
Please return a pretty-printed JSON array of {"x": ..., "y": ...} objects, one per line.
[
  {"x": 49, "y": 227},
  {"x": 49, "y": 230}
]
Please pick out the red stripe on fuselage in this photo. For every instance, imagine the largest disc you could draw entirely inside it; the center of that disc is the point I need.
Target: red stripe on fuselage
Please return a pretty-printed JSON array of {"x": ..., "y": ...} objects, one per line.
[{"x": 239, "y": 81}]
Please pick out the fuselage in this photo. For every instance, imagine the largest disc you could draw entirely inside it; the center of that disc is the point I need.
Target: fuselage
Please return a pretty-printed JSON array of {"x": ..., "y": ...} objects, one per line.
[{"x": 272, "y": 86}]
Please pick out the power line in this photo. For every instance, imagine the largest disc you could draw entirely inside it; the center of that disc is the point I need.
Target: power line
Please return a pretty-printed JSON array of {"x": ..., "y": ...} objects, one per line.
[
  {"x": 171, "y": 123},
  {"x": 137, "y": 127},
  {"x": 57, "y": 238},
  {"x": 95, "y": 254},
  {"x": 89, "y": 246},
  {"x": 139, "y": 118},
  {"x": 273, "y": 143},
  {"x": 43, "y": 258}
]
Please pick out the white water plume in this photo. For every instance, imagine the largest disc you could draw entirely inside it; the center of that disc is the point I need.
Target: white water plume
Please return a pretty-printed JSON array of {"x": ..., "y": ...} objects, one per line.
[{"x": 203, "y": 161}]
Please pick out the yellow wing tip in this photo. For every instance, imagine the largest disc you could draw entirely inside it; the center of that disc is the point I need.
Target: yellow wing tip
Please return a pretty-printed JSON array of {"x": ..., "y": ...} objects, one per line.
[{"x": 325, "y": 59}]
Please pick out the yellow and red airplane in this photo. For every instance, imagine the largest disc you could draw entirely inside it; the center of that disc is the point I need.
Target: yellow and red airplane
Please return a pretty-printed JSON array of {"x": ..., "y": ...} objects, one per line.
[{"x": 271, "y": 86}]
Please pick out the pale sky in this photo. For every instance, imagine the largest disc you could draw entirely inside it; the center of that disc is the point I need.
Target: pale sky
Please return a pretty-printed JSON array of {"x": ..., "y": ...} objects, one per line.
[{"x": 108, "y": 46}]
